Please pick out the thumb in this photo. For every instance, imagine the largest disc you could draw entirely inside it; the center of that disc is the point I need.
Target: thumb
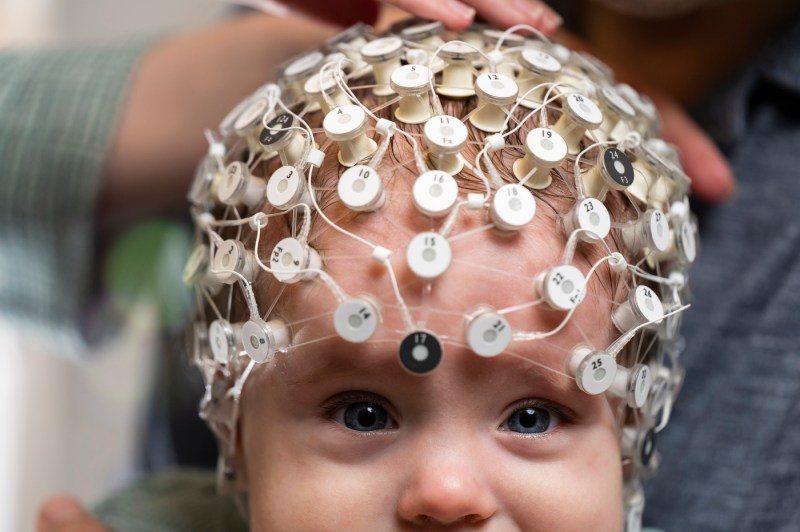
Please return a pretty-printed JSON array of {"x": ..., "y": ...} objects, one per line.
[{"x": 62, "y": 513}]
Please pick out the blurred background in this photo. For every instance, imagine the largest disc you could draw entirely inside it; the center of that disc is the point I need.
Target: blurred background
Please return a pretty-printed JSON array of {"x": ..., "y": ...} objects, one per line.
[{"x": 91, "y": 423}]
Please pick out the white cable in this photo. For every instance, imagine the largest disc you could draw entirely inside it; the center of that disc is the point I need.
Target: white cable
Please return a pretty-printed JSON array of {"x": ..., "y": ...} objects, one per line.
[
  {"x": 526, "y": 336},
  {"x": 514, "y": 29}
]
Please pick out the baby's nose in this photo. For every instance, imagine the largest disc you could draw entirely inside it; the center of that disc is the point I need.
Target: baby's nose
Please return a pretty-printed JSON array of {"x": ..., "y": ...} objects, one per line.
[{"x": 446, "y": 488}]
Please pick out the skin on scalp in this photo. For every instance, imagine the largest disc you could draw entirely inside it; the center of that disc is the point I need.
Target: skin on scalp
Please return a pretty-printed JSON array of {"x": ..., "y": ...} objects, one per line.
[{"x": 448, "y": 462}]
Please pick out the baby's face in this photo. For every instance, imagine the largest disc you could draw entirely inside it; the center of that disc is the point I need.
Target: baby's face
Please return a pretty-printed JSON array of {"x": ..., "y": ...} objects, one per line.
[{"x": 338, "y": 436}]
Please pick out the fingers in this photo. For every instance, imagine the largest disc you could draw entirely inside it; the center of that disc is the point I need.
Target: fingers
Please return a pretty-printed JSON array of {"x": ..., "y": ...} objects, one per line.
[
  {"x": 63, "y": 514},
  {"x": 454, "y": 14},
  {"x": 712, "y": 177},
  {"x": 340, "y": 13},
  {"x": 458, "y": 15},
  {"x": 507, "y": 13}
]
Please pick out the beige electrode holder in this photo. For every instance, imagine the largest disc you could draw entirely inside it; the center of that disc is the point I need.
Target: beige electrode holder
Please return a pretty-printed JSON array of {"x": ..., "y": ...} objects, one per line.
[
  {"x": 349, "y": 42},
  {"x": 347, "y": 126},
  {"x": 239, "y": 187},
  {"x": 511, "y": 40},
  {"x": 457, "y": 78},
  {"x": 538, "y": 69},
  {"x": 545, "y": 149},
  {"x": 495, "y": 92},
  {"x": 300, "y": 70},
  {"x": 578, "y": 115},
  {"x": 618, "y": 114},
  {"x": 445, "y": 137},
  {"x": 612, "y": 171},
  {"x": 326, "y": 83},
  {"x": 412, "y": 83},
  {"x": 384, "y": 56},
  {"x": 282, "y": 136}
]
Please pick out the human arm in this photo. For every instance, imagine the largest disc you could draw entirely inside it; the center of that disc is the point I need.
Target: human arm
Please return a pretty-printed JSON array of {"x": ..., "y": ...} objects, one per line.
[{"x": 183, "y": 86}]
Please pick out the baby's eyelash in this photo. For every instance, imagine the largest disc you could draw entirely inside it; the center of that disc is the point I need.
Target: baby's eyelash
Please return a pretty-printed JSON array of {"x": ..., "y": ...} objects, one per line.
[
  {"x": 332, "y": 405},
  {"x": 564, "y": 414}
]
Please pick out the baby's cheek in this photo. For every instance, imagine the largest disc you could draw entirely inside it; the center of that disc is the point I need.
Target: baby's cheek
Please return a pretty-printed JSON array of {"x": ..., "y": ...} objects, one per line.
[{"x": 303, "y": 494}]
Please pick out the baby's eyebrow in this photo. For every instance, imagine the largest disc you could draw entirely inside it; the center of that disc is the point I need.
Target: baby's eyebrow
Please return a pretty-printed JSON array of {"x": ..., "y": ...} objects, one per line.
[{"x": 334, "y": 358}]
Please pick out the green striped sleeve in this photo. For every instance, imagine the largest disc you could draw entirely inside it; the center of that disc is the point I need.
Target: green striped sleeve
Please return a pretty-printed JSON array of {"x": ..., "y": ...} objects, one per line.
[
  {"x": 182, "y": 500},
  {"x": 58, "y": 110}
]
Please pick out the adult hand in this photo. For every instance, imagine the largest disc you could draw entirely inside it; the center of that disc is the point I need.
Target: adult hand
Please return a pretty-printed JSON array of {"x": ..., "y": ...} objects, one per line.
[
  {"x": 64, "y": 514},
  {"x": 455, "y": 14},
  {"x": 712, "y": 177}
]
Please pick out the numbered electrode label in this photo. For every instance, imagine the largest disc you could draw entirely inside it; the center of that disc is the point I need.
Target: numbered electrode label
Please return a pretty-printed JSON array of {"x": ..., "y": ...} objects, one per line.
[
  {"x": 285, "y": 187},
  {"x": 435, "y": 193},
  {"x": 289, "y": 258},
  {"x": 252, "y": 115},
  {"x": 234, "y": 181},
  {"x": 258, "y": 341},
  {"x": 411, "y": 79},
  {"x": 687, "y": 242},
  {"x": 639, "y": 385},
  {"x": 445, "y": 134},
  {"x": 488, "y": 334},
  {"x": 420, "y": 352},
  {"x": 583, "y": 111},
  {"x": 617, "y": 169},
  {"x": 592, "y": 217},
  {"x": 345, "y": 122},
  {"x": 356, "y": 319},
  {"x": 539, "y": 62},
  {"x": 497, "y": 88},
  {"x": 428, "y": 255},
  {"x": 231, "y": 256},
  {"x": 223, "y": 343},
  {"x": 646, "y": 304},
  {"x": 596, "y": 372},
  {"x": 513, "y": 207},
  {"x": 563, "y": 287},
  {"x": 361, "y": 188},
  {"x": 657, "y": 230},
  {"x": 547, "y": 147},
  {"x": 277, "y": 131}
]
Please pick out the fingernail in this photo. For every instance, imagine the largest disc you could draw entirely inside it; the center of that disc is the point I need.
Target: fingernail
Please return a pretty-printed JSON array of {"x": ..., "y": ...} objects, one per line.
[
  {"x": 551, "y": 20},
  {"x": 61, "y": 511},
  {"x": 462, "y": 10}
]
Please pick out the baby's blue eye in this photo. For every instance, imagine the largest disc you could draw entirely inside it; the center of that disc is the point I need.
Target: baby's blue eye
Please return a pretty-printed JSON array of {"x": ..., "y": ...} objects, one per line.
[
  {"x": 529, "y": 420},
  {"x": 365, "y": 417}
]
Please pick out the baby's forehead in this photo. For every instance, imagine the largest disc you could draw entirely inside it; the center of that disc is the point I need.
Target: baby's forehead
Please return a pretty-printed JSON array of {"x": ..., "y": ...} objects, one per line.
[
  {"x": 332, "y": 362},
  {"x": 488, "y": 270}
]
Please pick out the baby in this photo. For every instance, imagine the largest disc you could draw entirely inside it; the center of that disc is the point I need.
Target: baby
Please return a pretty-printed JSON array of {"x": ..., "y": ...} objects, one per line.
[{"x": 439, "y": 281}]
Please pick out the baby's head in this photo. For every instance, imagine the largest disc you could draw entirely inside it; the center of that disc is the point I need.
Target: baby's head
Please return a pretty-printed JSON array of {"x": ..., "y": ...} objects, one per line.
[{"x": 458, "y": 305}]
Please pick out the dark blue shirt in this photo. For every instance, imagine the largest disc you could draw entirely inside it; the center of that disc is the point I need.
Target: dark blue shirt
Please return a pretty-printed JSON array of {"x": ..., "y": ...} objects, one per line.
[{"x": 731, "y": 453}]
